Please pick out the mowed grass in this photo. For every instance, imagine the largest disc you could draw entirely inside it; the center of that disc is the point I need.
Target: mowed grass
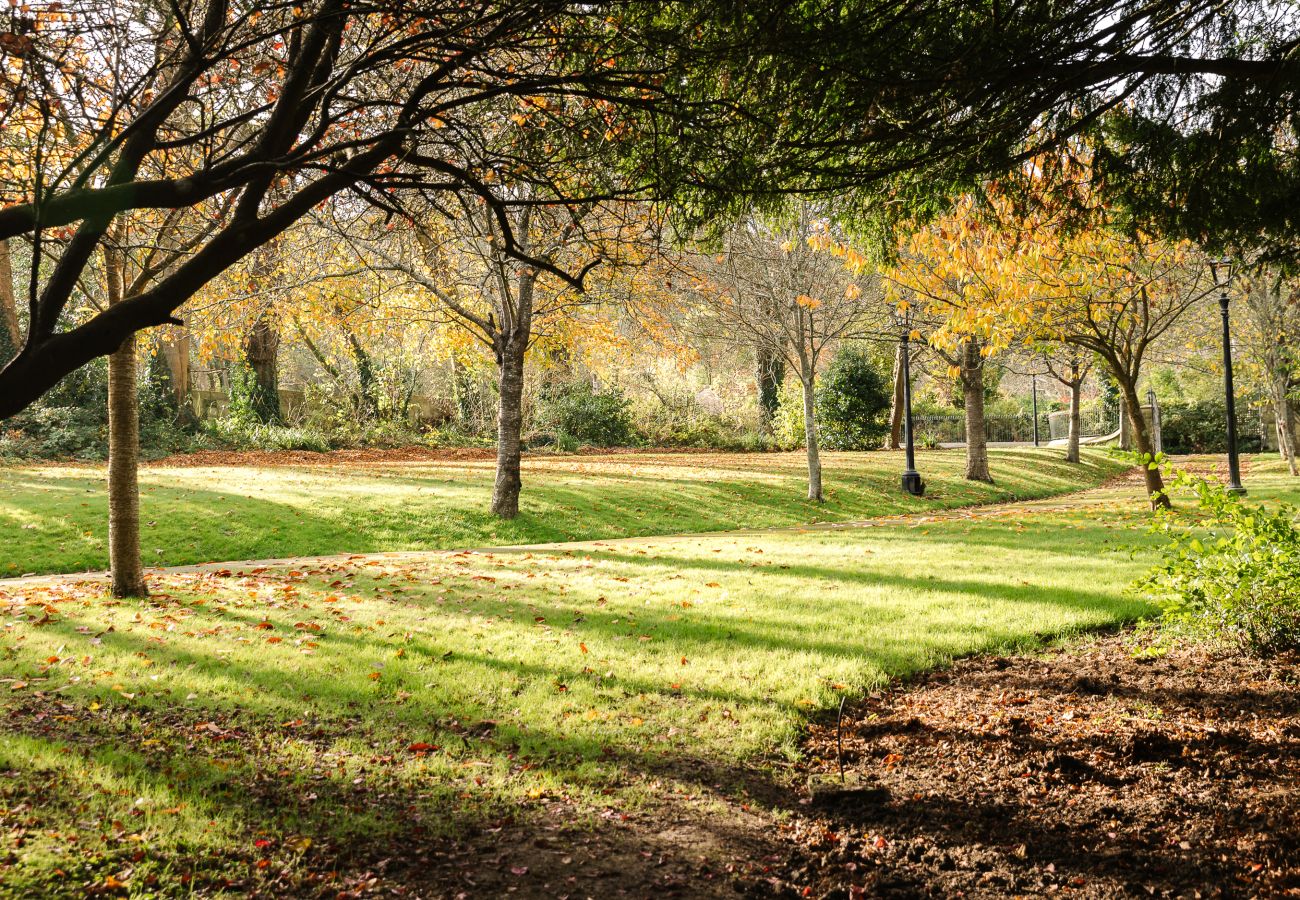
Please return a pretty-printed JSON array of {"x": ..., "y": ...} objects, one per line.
[
  {"x": 279, "y": 731},
  {"x": 54, "y": 518}
]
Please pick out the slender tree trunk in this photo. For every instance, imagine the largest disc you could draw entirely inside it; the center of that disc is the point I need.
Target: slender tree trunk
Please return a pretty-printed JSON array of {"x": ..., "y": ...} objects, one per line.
[
  {"x": 510, "y": 418},
  {"x": 896, "y": 406},
  {"x": 1141, "y": 438},
  {"x": 1285, "y": 424},
  {"x": 810, "y": 435},
  {"x": 262, "y": 350},
  {"x": 513, "y": 345},
  {"x": 10, "y": 336},
  {"x": 123, "y": 456},
  {"x": 174, "y": 348},
  {"x": 972, "y": 383},
  {"x": 367, "y": 382},
  {"x": 769, "y": 373},
  {"x": 1076, "y": 395}
]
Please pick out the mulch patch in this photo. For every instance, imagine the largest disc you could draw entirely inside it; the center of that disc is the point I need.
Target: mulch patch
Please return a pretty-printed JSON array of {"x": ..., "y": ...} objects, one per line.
[{"x": 1090, "y": 772}]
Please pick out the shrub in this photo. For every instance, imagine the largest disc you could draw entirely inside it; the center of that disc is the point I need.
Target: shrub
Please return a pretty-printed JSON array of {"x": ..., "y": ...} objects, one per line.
[
  {"x": 1236, "y": 578},
  {"x": 1202, "y": 427},
  {"x": 852, "y": 402},
  {"x": 588, "y": 416}
]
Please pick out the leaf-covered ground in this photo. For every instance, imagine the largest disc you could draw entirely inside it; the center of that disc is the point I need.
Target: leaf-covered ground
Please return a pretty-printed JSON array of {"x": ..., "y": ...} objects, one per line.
[
  {"x": 212, "y": 507},
  {"x": 585, "y": 720}
]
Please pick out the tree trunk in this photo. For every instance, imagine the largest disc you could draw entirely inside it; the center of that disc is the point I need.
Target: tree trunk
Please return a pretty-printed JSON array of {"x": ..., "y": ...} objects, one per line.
[
  {"x": 510, "y": 419},
  {"x": 810, "y": 437},
  {"x": 972, "y": 384},
  {"x": 896, "y": 406},
  {"x": 262, "y": 350},
  {"x": 174, "y": 347},
  {"x": 367, "y": 382},
  {"x": 123, "y": 456},
  {"x": 1285, "y": 424},
  {"x": 768, "y": 375},
  {"x": 1142, "y": 444},
  {"x": 10, "y": 336},
  {"x": 1076, "y": 396}
]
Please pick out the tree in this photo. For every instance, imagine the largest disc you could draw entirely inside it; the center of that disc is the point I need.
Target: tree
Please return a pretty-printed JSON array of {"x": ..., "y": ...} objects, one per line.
[
  {"x": 463, "y": 265},
  {"x": 963, "y": 271},
  {"x": 771, "y": 288},
  {"x": 1116, "y": 295},
  {"x": 689, "y": 101},
  {"x": 1271, "y": 335},
  {"x": 1070, "y": 365}
]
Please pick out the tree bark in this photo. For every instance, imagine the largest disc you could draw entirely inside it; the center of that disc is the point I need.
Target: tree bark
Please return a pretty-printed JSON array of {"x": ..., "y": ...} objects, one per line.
[
  {"x": 1284, "y": 415},
  {"x": 810, "y": 437},
  {"x": 512, "y": 345},
  {"x": 367, "y": 382},
  {"x": 510, "y": 418},
  {"x": 262, "y": 351},
  {"x": 972, "y": 383},
  {"x": 1142, "y": 444},
  {"x": 174, "y": 348},
  {"x": 1076, "y": 424},
  {"x": 126, "y": 567},
  {"x": 896, "y": 406},
  {"x": 769, "y": 373},
  {"x": 10, "y": 335}
]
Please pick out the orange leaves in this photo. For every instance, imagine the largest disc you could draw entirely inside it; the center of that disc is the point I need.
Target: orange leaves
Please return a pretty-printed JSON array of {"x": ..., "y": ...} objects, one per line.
[{"x": 807, "y": 302}]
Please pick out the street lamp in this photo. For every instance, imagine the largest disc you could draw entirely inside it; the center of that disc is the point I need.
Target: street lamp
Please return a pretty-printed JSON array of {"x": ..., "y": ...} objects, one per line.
[
  {"x": 1222, "y": 271},
  {"x": 912, "y": 483}
]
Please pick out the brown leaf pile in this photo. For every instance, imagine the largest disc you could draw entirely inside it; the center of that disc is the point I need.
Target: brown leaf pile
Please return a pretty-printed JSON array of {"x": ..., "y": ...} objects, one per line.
[{"x": 1092, "y": 773}]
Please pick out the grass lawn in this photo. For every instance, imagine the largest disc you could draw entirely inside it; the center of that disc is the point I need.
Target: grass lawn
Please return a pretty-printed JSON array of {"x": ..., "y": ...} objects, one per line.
[
  {"x": 277, "y": 732},
  {"x": 54, "y": 518}
]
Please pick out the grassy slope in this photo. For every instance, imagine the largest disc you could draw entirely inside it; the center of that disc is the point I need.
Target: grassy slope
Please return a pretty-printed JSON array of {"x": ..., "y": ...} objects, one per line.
[
  {"x": 216, "y": 716},
  {"x": 54, "y": 518}
]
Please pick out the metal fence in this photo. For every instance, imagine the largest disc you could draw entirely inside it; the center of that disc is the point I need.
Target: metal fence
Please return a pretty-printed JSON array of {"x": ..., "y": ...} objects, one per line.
[{"x": 1001, "y": 429}]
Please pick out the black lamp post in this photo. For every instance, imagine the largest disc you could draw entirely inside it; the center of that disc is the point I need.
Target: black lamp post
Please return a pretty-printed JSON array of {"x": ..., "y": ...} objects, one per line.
[
  {"x": 1222, "y": 272},
  {"x": 912, "y": 482}
]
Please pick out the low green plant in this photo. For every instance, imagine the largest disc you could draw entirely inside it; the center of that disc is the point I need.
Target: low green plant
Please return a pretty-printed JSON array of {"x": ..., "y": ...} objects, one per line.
[
  {"x": 1233, "y": 575},
  {"x": 853, "y": 402},
  {"x": 1202, "y": 427},
  {"x": 237, "y": 433},
  {"x": 589, "y": 416}
]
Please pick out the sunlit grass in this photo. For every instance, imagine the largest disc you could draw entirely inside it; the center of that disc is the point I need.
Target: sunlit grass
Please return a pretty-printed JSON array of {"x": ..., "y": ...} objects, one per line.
[
  {"x": 260, "y": 730},
  {"x": 54, "y": 518}
]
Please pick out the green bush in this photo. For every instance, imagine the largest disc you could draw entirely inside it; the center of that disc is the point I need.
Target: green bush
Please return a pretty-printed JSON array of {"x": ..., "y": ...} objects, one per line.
[
  {"x": 1235, "y": 577},
  {"x": 853, "y": 402},
  {"x": 788, "y": 423},
  {"x": 1202, "y": 427},
  {"x": 588, "y": 416},
  {"x": 71, "y": 421}
]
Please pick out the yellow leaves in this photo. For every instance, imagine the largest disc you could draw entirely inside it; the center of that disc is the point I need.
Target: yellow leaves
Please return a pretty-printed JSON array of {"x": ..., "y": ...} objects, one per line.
[
  {"x": 807, "y": 302},
  {"x": 852, "y": 292}
]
